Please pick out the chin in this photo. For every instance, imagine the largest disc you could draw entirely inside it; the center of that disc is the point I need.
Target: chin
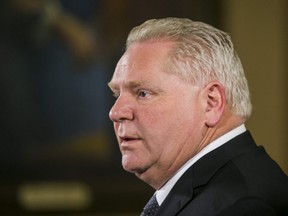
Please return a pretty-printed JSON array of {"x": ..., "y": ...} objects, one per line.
[
  {"x": 132, "y": 167},
  {"x": 128, "y": 164}
]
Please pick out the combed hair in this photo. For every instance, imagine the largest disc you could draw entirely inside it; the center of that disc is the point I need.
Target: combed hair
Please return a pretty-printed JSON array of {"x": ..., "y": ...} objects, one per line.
[{"x": 200, "y": 54}]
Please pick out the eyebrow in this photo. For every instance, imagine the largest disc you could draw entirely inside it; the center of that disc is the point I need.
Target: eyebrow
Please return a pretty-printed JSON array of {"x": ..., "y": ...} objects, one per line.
[{"x": 129, "y": 84}]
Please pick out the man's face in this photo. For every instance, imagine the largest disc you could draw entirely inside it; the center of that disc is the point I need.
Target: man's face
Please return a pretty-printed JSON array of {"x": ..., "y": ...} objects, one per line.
[{"x": 158, "y": 117}]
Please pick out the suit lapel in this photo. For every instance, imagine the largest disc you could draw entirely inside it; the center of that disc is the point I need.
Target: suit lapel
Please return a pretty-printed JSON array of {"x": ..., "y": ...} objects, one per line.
[
  {"x": 179, "y": 196},
  {"x": 202, "y": 171}
]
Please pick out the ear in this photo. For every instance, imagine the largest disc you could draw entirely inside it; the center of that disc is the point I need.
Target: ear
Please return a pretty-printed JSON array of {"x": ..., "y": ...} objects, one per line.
[{"x": 215, "y": 99}]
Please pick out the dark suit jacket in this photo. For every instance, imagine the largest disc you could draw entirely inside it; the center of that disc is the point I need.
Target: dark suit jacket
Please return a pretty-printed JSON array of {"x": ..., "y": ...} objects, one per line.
[{"x": 238, "y": 178}]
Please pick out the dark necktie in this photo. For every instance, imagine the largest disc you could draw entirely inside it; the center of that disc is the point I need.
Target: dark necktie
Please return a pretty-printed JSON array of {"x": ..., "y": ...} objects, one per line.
[{"x": 151, "y": 207}]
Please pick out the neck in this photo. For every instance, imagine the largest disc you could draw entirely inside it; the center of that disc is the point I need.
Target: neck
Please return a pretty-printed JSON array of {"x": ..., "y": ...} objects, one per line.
[
  {"x": 157, "y": 176},
  {"x": 226, "y": 124}
]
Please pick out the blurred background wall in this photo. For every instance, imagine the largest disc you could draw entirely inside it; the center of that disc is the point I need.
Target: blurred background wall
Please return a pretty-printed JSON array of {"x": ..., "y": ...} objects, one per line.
[
  {"x": 259, "y": 30},
  {"x": 58, "y": 154}
]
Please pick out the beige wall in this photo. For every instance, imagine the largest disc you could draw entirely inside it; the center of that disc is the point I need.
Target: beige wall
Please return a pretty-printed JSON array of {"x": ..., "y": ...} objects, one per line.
[{"x": 259, "y": 31}]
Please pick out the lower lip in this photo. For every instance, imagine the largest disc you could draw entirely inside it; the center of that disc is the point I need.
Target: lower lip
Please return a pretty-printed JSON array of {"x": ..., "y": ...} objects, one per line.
[{"x": 129, "y": 142}]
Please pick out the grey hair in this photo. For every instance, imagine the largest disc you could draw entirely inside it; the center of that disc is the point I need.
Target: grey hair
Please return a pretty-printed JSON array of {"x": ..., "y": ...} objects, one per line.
[{"x": 201, "y": 54}]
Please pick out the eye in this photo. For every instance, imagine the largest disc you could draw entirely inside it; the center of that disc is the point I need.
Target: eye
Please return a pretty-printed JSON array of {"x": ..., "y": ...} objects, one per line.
[{"x": 143, "y": 93}]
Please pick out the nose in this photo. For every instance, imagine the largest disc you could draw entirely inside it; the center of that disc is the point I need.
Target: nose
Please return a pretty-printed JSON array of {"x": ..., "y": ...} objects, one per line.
[{"x": 121, "y": 110}]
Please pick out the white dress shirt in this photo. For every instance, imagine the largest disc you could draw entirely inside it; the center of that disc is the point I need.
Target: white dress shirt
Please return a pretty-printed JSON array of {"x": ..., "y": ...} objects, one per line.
[{"x": 162, "y": 193}]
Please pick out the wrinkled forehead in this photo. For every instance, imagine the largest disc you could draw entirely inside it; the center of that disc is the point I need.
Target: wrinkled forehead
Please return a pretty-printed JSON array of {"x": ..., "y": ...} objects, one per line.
[{"x": 141, "y": 59}]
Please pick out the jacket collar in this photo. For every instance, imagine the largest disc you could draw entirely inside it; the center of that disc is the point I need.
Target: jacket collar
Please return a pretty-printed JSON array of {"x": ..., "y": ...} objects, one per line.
[{"x": 202, "y": 171}]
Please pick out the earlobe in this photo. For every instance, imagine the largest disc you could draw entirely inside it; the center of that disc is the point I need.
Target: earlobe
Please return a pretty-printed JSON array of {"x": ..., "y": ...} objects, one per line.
[{"x": 215, "y": 103}]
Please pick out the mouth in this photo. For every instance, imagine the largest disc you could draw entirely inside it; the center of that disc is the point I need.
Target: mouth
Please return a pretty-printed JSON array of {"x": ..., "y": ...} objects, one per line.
[{"x": 127, "y": 140}]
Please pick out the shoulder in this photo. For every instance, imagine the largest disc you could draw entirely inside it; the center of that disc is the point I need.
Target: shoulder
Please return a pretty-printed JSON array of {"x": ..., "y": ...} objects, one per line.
[
  {"x": 248, "y": 206},
  {"x": 240, "y": 187},
  {"x": 235, "y": 177},
  {"x": 251, "y": 206}
]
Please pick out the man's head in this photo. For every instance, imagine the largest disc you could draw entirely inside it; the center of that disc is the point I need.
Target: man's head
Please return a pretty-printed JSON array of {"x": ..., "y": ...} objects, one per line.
[
  {"x": 175, "y": 94},
  {"x": 200, "y": 53}
]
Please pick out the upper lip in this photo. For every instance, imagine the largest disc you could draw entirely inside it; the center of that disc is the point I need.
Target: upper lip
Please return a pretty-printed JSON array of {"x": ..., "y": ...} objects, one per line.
[{"x": 128, "y": 138}]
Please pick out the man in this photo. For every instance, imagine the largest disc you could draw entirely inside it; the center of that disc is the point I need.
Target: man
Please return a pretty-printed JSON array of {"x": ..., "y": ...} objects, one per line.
[{"x": 182, "y": 101}]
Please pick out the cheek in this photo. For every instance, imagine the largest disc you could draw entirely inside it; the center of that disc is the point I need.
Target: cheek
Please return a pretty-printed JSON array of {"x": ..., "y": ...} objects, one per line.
[
  {"x": 174, "y": 123},
  {"x": 158, "y": 126}
]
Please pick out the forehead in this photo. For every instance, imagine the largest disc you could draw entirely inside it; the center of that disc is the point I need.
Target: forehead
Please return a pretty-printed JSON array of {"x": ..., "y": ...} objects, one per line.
[{"x": 141, "y": 61}]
